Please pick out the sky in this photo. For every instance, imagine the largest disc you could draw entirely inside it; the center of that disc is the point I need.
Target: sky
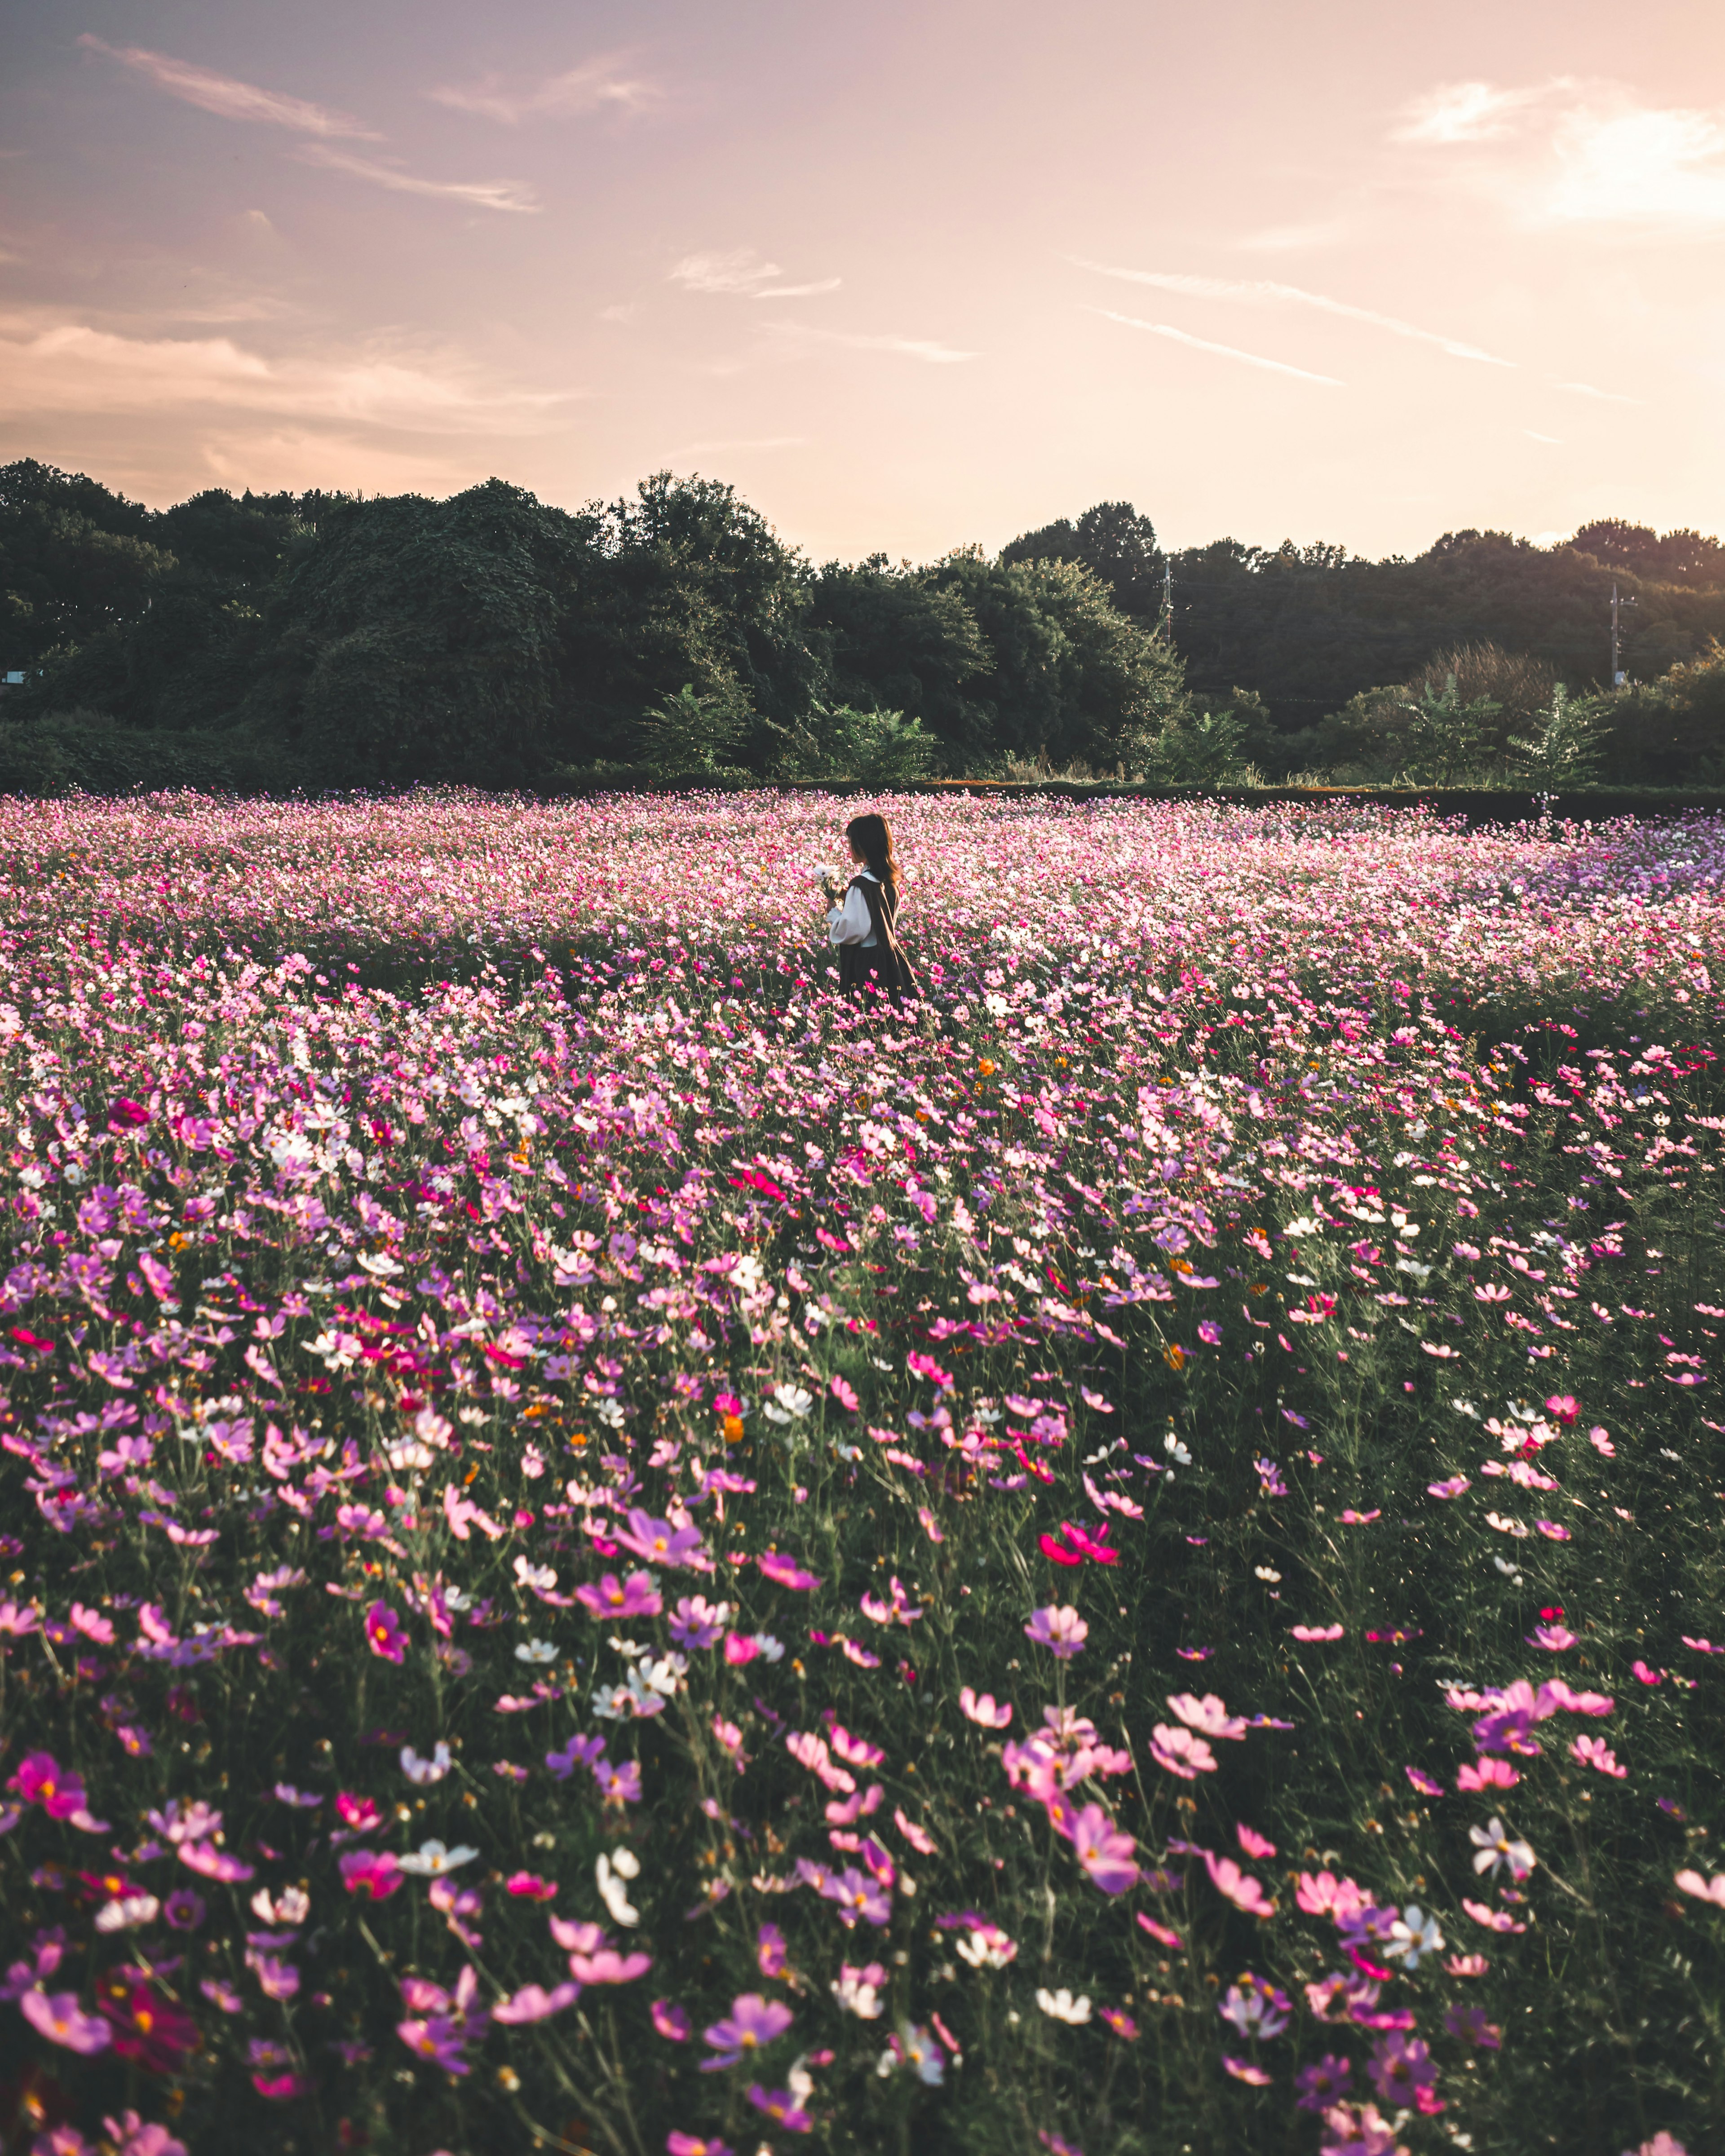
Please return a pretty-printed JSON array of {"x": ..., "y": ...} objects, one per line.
[{"x": 911, "y": 276}]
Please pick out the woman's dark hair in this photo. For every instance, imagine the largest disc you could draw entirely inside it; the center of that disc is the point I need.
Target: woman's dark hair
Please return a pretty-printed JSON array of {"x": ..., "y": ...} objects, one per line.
[{"x": 872, "y": 836}]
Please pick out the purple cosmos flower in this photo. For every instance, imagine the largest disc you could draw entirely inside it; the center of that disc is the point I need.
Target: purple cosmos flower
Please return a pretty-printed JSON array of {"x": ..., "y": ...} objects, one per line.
[
  {"x": 1255, "y": 2007},
  {"x": 635, "y": 1597},
  {"x": 693, "y": 2144},
  {"x": 1062, "y": 1631},
  {"x": 671, "y": 2022},
  {"x": 440, "y": 2039},
  {"x": 1106, "y": 1853},
  {"x": 1323, "y": 2083},
  {"x": 781, "y": 2107},
  {"x": 1423, "y": 1782},
  {"x": 751, "y": 2023},
  {"x": 699, "y": 1624},
  {"x": 770, "y": 1950},
  {"x": 1400, "y": 2068},
  {"x": 184, "y": 1909},
  {"x": 658, "y": 1542}
]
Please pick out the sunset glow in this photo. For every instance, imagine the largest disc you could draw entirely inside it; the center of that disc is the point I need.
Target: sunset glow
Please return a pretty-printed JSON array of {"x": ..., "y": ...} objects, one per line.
[{"x": 910, "y": 277}]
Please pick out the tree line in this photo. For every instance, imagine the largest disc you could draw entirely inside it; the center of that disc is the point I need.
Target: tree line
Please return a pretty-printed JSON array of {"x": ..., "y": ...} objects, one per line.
[{"x": 328, "y": 639}]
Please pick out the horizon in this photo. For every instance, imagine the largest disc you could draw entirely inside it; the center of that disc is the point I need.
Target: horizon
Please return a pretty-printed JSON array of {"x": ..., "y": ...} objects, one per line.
[{"x": 931, "y": 278}]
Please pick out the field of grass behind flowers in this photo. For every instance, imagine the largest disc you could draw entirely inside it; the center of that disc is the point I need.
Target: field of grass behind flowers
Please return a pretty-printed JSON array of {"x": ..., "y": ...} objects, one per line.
[{"x": 603, "y": 1552}]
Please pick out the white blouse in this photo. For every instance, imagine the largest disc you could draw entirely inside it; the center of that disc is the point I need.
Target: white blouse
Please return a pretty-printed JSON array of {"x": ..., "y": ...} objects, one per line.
[{"x": 851, "y": 923}]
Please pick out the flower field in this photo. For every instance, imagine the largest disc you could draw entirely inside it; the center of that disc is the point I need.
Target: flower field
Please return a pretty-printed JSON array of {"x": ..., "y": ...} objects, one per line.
[{"x": 605, "y": 1551}]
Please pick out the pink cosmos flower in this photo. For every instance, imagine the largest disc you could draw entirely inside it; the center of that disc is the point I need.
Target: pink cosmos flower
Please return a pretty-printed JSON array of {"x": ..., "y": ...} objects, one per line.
[
  {"x": 1486, "y": 1774},
  {"x": 1315, "y": 1631},
  {"x": 753, "y": 2023},
  {"x": 1321, "y": 1894},
  {"x": 1207, "y": 1716},
  {"x": 694, "y": 2144},
  {"x": 384, "y": 1634},
  {"x": 39, "y": 1780},
  {"x": 1703, "y": 1890},
  {"x": 1240, "y": 1886},
  {"x": 1107, "y": 1855},
  {"x": 57, "y": 2017},
  {"x": 1467, "y": 1965},
  {"x": 783, "y": 1572},
  {"x": 608, "y": 1966},
  {"x": 1555, "y": 1639},
  {"x": 1593, "y": 1752},
  {"x": 1176, "y": 1751},
  {"x": 980, "y": 1707},
  {"x": 1243, "y": 2070},
  {"x": 671, "y": 2022},
  {"x": 923, "y": 1843},
  {"x": 635, "y": 1597},
  {"x": 533, "y": 2004},
  {"x": 1423, "y": 1782},
  {"x": 1255, "y": 1845},
  {"x": 1061, "y": 1630},
  {"x": 770, "y": 1950},
  {"x": 1160, "y": 1933},
  {"x": 1494, "y": 1920},
  {"x": 529, "y": 1886}
]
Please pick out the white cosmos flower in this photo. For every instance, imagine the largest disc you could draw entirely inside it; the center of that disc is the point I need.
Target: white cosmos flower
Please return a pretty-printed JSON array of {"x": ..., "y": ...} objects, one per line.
[
  {"x": 611, "y": 1875},
  {"x": 421, "y": 1772},
  {"x": 292, "y": 1906},
  {"x": 1494, "y": 1846},
  {"x": 535, "y": 1651},
  {"x": 128, "y": 1912},
  {"x": 432, "y": 1860},
  {"x": 1062, "y": 2006}
]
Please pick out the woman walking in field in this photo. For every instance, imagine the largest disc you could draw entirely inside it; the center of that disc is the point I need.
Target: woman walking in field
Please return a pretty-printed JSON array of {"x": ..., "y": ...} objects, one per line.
[{"x": 861, "y": 924}]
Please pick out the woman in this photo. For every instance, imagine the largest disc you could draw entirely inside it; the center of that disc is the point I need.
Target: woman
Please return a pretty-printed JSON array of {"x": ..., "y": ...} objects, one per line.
[{"x": 861, "y": 924}]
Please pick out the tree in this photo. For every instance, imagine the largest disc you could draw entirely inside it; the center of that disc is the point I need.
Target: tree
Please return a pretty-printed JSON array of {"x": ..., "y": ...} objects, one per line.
[{"x": 1114, "y": 542}]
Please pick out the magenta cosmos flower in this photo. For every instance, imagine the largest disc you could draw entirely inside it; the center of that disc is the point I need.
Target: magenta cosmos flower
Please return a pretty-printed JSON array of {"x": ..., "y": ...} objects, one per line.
[
  {"x": 633, "y": 1597},
  {"x": 751, "y": 2023},
  {"x": 783, "y": 1572},
  {"x": 1062, "y": 1631},
  {"x": 384, "y": 1634}
]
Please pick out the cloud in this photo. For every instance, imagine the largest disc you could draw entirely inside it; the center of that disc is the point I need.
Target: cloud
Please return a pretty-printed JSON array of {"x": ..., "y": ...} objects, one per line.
[
  {"x": 1226, "y": 351},
  {"x": 1260, "y": 291},
  {"x": 740, "y": 271},
  {"x": 1466, "y": 112},
  {"x": 596, "y": 86},
  {"x": 480, "y": 194},
  {"x": 231, "y": 100},
  {"x": 73, "y": 367},
  {"x": 1641, "y": 167},
  {"x": 923, "y": 348},
  {"x": 1555, "y": 440},
  {"x": 1605, "y": 396}
]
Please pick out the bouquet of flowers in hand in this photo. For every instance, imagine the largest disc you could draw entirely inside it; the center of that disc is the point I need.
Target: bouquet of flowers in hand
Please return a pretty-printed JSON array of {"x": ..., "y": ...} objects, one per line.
[{"x": 832, "y": 884}]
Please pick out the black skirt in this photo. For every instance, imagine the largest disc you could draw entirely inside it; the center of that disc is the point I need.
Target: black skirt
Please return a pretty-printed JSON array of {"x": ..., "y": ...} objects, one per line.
[{"x": 860, "y": 971}]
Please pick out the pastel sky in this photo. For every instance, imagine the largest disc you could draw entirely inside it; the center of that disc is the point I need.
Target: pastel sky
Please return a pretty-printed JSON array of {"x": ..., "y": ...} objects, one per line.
[{"x": 910, "y": 273}]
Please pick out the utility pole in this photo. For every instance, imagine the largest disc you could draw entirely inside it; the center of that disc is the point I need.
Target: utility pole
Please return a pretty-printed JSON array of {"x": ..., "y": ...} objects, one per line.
[{"x": 1618, "y": 676}]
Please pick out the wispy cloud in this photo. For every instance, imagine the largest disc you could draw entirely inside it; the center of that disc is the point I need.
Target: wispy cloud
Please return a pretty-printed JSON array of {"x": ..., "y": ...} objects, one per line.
[
  {"x": 923, "y": 348},
  {"x": 73, "y": 367},
  {"x": 1467, "y": 112},
  {"x": 1225, "y": 350},
  {"x": 232, "y": 100},
  {"x": 597, "y": 85},
  {"x": 1260, "y": 291},
  {"x": 740, "y": 271},
  {"x": 1605, "y": 396},
  {"x": 480, "y": 194}
]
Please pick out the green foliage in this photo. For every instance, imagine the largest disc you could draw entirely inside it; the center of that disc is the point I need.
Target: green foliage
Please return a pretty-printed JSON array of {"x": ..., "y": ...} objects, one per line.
[
  {"x": 1565, "y": 749},
  {"x": 687, "y": 734},
  {"x": 1114, "y": 542},
  {"x": 881, "y": 749}
]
